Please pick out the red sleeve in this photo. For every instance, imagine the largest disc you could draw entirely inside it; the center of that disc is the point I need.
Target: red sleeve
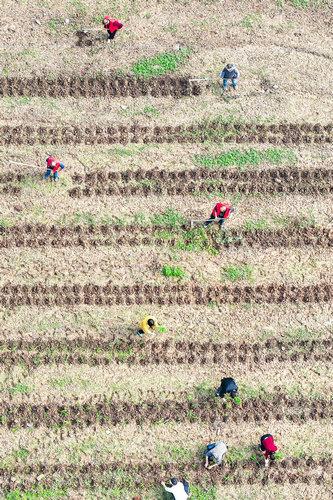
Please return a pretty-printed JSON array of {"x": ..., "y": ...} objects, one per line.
[
  {"x": 214, "y": 212},
  {"x": 56, "y": 168}
]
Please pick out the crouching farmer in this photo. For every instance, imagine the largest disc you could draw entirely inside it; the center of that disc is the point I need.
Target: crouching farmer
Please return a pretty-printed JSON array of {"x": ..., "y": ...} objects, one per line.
[
  {"x": 179, "y": 489},
  {"x": 268, "y": 448},
  {"x": 215, "y": 453},
  {"x": 230, "y": 74},
  {"x": 53, "y": 167},
  {"x": 147, "y": 325},
  {"x": 228, "y": 386}
]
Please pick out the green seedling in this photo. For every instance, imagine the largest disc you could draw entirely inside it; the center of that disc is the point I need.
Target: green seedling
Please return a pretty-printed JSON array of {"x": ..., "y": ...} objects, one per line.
[
  {"x": 173, "y": 272},
  {"x": 237, "y": 273},
  {"x": 162, "y": 329}
]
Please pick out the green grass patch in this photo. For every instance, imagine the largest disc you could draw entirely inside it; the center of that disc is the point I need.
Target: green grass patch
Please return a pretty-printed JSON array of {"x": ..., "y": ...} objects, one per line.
[
  {"x": 237, "y": 273},
  {"x": 36, "y": 494},
  {"x": 245, "y": 158},
  {"x": 160, "y": 64},
  {"x": 21, "y": 454},
  {"x": 169, "y": 218},
  {"x": 173, "y": 272},
  {"x": 151, "y": 111},
  {"x": 304, "y": 4},
  {"x": 200, "y": 493},
  {"x": 20, "y": 389}
]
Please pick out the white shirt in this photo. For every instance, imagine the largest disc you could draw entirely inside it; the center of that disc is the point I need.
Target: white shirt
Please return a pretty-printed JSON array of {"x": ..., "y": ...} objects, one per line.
[{"x": 178, "y": 491}]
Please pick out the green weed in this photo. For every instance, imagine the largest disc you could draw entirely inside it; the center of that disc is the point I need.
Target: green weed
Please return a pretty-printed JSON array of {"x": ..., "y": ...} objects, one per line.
[
  {"x": 196, "y": 240},
  {"x": 20, "y": 389},
  {"x": 21, "y": 454},
  {"x": 5, "y": 223},
  {"x": 249, "y": 157},
  {"x": 254, "y": 225},
  {"x": 251, "y": 20},
  {"x": 301, "y": 333},
  {"x": 53, "y": 25},
  {"x": 169, "y": 218},
  {"x": 123, "y": 355},
  {"x": 173, "y": 272},
  {"x": 160, "y": 64},
  {"x": 79, "y": 6},
  {"x": 151, "y": 111},
  {"x": 162, "y": 329},
  {"x": 236, "y": 273}
]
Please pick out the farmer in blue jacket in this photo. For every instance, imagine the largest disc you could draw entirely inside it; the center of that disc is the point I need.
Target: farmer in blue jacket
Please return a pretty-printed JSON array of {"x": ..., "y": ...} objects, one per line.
[{"x": 230, "y": 73}]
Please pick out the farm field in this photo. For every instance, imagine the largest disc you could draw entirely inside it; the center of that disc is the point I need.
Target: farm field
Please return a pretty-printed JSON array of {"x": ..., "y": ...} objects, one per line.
[{"x": 89, "y": 410}]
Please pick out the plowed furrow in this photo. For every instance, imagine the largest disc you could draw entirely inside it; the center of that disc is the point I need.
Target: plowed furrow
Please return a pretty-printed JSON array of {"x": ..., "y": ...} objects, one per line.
[
  {"x": 12, "y": 295},
  {"x": 278, "y": 407},
  {"x": 90, "y": 135},
  {"x": 93, "y": 236},
  {"x": 77, "y": 86},
  {"x": 81, "y": 351},
  {"x": 150, "y": 473}
]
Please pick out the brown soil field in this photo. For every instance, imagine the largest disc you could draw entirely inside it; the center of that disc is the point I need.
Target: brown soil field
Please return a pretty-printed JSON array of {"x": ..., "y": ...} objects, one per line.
[{"x": 150, "y": 143}]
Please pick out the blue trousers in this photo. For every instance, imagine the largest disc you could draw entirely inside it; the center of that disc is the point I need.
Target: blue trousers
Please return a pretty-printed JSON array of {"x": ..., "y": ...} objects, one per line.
[
  {"x": 234, "y": 82},
  {"x": 55, "y": 176}
]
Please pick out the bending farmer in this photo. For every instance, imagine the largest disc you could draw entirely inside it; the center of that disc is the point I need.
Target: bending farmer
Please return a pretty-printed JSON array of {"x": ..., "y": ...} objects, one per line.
[
  {"x": 221, "y": 211},
  {"x": 53, "y": 166},
  {"x": 228, "y": 386},
  {"x": 230, "y": 73},
  {"x": 179, "y": 489},
  {"x": 147, "y": 325},
  {"x": 215, "y": 452},
  {"x": 112, "y": 26},
  {"x": 268, "y": 448}
]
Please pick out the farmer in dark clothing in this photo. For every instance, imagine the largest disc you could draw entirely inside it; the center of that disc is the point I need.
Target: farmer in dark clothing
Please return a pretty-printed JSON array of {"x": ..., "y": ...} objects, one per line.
[
  {"x": 228, "y": 386},
  {"x": 268, "y": 448},
  {"x": 230, "y": 73}
]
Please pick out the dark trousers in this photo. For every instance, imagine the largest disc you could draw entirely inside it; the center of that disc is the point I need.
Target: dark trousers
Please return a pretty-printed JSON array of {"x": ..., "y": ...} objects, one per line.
[
  {"x": 111, "y": 35},
  {"x": 211, "y": 220}
]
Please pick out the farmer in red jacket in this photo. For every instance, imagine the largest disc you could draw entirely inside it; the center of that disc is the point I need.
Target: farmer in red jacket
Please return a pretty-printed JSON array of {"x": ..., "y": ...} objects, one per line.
[
  {"x": 112, "y": 26},
  {"x": 53, "y": 167},
  {"x": 221, "y": 211},
  {"x": 268, "y": 448}
]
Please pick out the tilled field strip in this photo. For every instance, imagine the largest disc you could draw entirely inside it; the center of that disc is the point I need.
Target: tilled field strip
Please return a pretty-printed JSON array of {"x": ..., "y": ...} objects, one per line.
[
  {"x": 204, "y": 181},
  {"x": 52, "y": 444},
  {"x": 12, "y": 295},
  {"x": 75, "y": 86},
  {"x": 283, "y": 133},
  {"x": 234, "y": 323},
  {"x": 39, "y": 235},
  {"x": 150, "y": 473},
  {"x": 81, "y": 352},
  {"x": 61, "y": 383},
  {"x": 296, "y": 266}
]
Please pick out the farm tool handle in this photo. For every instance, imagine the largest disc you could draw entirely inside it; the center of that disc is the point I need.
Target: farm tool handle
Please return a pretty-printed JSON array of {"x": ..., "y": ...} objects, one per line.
[{"x": 19, "y": 163}]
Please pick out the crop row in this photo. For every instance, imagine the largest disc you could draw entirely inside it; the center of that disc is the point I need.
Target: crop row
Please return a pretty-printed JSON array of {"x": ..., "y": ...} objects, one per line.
[
  {"x": 12, "y": 295},
  {"x": 290, "y": 470},
  {"x": 119, "y": 350},
  {"x": 263, "y": 181},
  {"x": 100, "y": 177},
  {"x": 90, "y": 135},
  {"x": 109, "y": 412},
  {"x": 76, "y": 86},
  {"x": 106, "y": 235}
]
